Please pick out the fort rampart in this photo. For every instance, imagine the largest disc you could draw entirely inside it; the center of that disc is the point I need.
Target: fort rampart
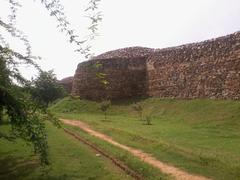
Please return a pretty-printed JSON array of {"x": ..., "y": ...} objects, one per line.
[{"x": 208, "y": 69}]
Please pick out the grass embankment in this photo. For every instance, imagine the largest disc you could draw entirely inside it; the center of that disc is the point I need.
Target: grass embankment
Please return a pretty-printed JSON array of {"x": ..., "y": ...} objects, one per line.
[
  {"x": 199, "y": 136},
  {"x": 69, "y": 159}
]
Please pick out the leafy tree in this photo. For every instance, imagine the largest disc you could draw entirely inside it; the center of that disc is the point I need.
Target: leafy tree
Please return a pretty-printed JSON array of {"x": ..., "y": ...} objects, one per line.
[
  {"x": 46, "y": 88},
  {"x": 24, "y": 113},
  {"x": 56, "y": 10},
  {"x": 4, "y": 82},
  {"x": 104, "y": 106},
  {"x": 26, "y": 121}
]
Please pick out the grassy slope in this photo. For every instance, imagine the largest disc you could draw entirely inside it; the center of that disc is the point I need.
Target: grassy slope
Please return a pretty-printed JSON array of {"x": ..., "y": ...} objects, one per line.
[
  {"x": 200, "y": 136},
  {"x": 146, "y": 171},
  {"x": 69, "y": 160}
]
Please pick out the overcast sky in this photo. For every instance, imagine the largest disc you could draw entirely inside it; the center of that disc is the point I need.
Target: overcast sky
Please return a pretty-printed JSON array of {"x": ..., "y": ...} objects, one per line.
[{"x": 149, "y": 23}]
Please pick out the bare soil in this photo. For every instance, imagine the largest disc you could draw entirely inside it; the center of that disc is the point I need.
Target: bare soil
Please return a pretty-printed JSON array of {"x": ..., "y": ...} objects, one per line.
[{"x": 147, "y": 158}]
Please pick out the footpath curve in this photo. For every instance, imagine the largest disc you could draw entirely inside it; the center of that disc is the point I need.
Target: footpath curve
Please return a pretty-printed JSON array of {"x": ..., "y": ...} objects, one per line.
[{"x": 177, "y": 173}]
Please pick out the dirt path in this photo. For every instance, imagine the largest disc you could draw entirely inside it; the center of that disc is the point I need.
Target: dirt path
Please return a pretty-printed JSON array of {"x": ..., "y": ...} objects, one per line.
[
  {"x": 115, "y": 161},
  {"x": 147, "y": 158}
]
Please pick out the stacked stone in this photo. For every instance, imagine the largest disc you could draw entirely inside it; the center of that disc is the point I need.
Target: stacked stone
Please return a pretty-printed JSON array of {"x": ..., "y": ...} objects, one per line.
[
  {"x": 209, "y": 69},
  {"x": 67, "y": 83},
  {"x": 124, "y": 70},
  {"x": 126, "y": 53}
]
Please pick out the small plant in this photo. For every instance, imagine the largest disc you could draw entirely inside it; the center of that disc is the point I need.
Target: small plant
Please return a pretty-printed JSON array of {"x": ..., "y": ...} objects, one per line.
[
  {"x": 139, "y": 109},
  {"x": 148, "y": 120},
  {"x": 104, "y": 106}
]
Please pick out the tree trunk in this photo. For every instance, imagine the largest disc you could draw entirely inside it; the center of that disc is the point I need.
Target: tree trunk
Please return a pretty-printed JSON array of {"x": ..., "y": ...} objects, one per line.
[{"x": 1, "y": 115}]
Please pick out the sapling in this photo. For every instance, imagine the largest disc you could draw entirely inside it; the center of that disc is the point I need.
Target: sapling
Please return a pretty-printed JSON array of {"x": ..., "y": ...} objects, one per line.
[
  {"x": 139, "y": 109},
  {"x": 148, "y": 120},
  {"x": 104, "y": 106}
]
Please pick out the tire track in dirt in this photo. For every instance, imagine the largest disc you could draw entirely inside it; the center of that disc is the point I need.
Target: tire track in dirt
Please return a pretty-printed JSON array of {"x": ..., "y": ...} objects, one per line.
[
  {"x": 147, "y": 158},
  {"x": 118, "y": 163}
]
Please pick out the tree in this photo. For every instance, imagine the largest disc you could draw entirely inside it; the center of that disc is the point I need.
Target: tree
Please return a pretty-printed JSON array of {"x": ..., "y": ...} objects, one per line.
[
  {"x": 104, "y": 106},
  {"x": 24, "y": 113},
  {"x": 26, "y": 121},
  {"x": 143, "y": 114},
  {"x": 4, "y": 82},
  {"x": 56, "y": 10},
  {"x": 46, "y": 88}
]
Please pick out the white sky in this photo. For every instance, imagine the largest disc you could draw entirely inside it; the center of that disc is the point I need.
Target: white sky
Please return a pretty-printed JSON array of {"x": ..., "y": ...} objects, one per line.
[{"x": 149, "y": 23}]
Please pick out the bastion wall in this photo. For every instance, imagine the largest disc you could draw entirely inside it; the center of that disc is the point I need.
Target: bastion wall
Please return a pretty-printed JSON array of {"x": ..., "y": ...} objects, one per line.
[{"x": 208, "y": 69}]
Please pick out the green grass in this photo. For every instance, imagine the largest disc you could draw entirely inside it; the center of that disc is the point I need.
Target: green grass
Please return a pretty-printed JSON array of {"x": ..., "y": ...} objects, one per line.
[
  {"x": 200, "y": 136},
  {"x": 146, "y": 171},
  {"x": 69, "y": 160}
]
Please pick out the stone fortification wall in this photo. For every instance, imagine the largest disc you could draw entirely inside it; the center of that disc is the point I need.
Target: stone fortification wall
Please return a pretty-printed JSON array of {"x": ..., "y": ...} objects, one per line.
[
  {"x": 209, "y": 69},
  {"x": 67, "y": 83},
  {"x": 124, "y": 70}
]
